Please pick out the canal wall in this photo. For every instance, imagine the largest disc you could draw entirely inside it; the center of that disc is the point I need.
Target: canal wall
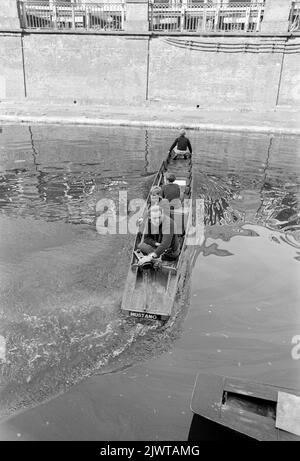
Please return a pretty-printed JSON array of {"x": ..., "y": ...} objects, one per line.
[
  {"x": 230, "y": 72},
  {"x": 250, "y": 71},
  {"x": 85, "y": 69}
]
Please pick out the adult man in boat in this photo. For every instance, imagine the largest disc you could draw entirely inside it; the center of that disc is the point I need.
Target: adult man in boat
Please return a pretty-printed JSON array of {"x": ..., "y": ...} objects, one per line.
[
  {"x": 160, "y": 238},
  {"x": 181, "y": 145},
  {"x": 170, "y": 190}
]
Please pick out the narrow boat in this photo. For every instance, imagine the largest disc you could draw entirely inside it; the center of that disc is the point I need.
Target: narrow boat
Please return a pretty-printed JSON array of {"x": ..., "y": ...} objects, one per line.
[
  {"x": 150, "y": 293},
  {"x": 227, "y": 408}
]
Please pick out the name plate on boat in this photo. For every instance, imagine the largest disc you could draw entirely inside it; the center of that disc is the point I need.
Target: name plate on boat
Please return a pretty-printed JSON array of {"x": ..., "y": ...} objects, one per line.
[{"x": 147, "y": 315}]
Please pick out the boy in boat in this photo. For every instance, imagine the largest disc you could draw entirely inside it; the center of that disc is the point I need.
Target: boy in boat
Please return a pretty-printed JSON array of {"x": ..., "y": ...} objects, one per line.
[
  {"x": 181, "y": 145},
  {"x": 160, "y": 238},
  {"x": 155, "y": 195},
  {"x": 170, "y": 191}
]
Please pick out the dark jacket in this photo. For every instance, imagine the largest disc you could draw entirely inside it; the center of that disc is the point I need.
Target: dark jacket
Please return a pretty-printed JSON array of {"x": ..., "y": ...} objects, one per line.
[
  {"x": 170, "y": 191},
  {"x": 182, "y": 143},
  {"x": 165, "y": 235}
]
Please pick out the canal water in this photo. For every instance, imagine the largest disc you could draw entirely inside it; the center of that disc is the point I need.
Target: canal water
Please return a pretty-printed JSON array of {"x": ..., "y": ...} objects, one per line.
[{"x": 62, "y": 282}]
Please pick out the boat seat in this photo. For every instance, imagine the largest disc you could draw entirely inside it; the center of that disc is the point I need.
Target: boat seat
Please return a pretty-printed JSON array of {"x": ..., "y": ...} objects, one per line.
[
  {"x": 180, "y": 218},
  {"x": 182, "y": 182}
]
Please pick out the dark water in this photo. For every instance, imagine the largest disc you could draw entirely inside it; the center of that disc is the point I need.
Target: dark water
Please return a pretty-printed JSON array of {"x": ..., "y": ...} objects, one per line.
[{"x": 62, "y": 282}]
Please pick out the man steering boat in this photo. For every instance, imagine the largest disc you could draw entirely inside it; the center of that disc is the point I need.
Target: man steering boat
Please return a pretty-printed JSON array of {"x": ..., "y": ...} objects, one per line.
[
  {"x": 181, "y": 146},
  {"x": 160, "y": 238}
]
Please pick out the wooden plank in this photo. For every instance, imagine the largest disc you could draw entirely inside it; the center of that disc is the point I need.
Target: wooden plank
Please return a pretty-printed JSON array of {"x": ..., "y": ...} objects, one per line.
[
  {"x": 251, "y": 388},
  {"x": 288, "y": 413},
  {"x": 242, "y": 416},
  {"x": 157, "y": 298},
  {"x": 207, "y": 396},
  {"x": 254, "y": 425},
  {"x": 287, "y": 436},
  {"x": 247, "y": 407},
  {"x": 260, "y": 390}
]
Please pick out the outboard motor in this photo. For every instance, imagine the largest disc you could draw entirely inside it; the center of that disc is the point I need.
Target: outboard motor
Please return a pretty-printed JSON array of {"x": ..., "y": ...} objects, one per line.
[{"x": 144, "y": 264}]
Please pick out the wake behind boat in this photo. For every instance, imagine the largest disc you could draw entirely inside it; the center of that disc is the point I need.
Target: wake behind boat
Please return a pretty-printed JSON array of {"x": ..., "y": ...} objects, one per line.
[{"x": 151, "y": 289}]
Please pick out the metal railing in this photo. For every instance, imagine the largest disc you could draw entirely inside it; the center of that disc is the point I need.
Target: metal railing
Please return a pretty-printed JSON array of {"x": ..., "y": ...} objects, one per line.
[
  {"x": 188, "y": 16},
  {"x": 294, "y": 19},
  {"x": 56, "y": 14}
]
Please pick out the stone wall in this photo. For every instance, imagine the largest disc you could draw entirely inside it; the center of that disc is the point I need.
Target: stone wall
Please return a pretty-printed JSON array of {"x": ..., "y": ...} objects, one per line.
[
  {"x": 85, "y": 68},
  {"x": 182, "y": 71},
  {"x": 289, "y": 89},
  {"x": 236, "y": 72},
  {"x": 11, "y": 67}
]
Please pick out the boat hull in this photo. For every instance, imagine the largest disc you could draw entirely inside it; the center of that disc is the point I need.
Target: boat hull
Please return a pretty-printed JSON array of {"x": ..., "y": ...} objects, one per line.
[{"x": 150, "y": 294}]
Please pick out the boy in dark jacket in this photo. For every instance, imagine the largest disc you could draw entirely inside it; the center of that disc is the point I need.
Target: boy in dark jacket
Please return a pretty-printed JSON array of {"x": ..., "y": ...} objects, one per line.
[
  {"x": 181, "y": 145},
  {"x": 160, "y": 238},
  {"x": 170, "y": 191}
]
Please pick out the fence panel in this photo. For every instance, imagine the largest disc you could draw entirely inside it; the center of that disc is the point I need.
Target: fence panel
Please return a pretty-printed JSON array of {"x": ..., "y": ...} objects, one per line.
[
  {"x": 294, "y": 19},
  {"x": 56, "y": 14},
  {"x": 190, "y": 16}
]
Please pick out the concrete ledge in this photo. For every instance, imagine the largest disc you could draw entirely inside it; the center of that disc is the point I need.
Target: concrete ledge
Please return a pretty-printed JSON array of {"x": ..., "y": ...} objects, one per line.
[
  {"x": 153, "y": 114},
  {"x": 149, "y": 34},
  {"x": 57, "y": 120}
]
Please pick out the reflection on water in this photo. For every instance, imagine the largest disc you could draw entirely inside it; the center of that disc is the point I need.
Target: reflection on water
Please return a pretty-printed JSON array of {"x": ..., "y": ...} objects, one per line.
[
  {"x": 61, "y": 282},
  {"x": 258, "y": 190}
]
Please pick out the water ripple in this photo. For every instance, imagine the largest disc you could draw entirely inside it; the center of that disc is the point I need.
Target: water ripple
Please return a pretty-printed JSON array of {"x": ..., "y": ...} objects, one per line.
[{"x": 62, "y": 283}]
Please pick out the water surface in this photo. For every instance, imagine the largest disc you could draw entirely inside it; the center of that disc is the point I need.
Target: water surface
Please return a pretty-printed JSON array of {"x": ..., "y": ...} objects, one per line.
[{"x": 62, "y": 282}]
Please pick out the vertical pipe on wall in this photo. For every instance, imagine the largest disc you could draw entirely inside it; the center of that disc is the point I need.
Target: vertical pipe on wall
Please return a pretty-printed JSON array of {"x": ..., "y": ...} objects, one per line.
[
  {"x": 23, "y": 66},
  {"x": 279, "y": 80},
  {"x": 148, "y": 63}
]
